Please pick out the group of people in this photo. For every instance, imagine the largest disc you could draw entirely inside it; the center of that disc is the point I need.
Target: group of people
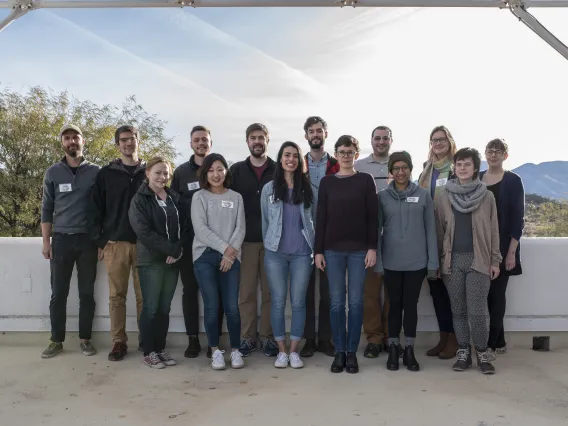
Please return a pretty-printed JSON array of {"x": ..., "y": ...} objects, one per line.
[{"x": 353, "y": 222}]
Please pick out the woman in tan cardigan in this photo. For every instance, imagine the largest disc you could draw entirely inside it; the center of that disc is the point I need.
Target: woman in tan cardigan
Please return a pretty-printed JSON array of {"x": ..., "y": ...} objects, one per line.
[{"x": 468, "y": 241}]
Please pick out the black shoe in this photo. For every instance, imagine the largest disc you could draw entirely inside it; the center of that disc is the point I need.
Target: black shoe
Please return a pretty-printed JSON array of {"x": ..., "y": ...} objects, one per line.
[
  {"x": 372, "y": 350},
  {"x": 409, "y": 360},
  {"x": 400, "y": 351},
  {"x": 247, "y": 347},
  {"x": 326, "y": 347},
  {"x": 464, "y": 359},
  {"x": 193, "y": 348},
  {"x": 269, "y": 347},
  {"x": 309, "y": 348},
  {"x": 339, "y": 362},
  {"x": 483, "y": 363},
  {"x": 351, "y": 364},
  {"x": 118, "y": 351},
  {"x": 209, "y": 353},
  {"x": 392, "y": 362}
]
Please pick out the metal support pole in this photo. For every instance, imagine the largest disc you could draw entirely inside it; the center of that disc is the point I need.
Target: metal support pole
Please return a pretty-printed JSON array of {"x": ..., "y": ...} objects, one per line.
[{"x": 19, "y": 10}]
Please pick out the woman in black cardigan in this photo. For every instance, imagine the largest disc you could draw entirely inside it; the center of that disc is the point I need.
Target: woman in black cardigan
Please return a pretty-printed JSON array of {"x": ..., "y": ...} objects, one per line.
[{"x": 507, "y": 187}]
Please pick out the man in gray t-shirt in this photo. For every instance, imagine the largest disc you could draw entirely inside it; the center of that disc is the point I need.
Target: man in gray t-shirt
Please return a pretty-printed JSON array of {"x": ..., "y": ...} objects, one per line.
[{"x": 375, "y": 314}]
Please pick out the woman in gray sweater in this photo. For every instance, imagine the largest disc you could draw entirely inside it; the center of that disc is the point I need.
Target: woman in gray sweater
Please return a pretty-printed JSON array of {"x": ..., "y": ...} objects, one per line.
[
  {"x": 218, "y": 218},
  {"x": 407, "y": 252}
]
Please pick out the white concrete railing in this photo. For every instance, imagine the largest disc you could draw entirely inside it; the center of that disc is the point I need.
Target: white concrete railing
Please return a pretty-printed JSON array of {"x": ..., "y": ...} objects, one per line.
[{"x": 537, "y": 300}]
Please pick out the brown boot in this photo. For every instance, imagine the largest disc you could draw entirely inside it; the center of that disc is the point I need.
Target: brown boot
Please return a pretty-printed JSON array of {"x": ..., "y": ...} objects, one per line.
[
  {"x": 435, "y": 351},
  {"x": 451, "y": 348}
]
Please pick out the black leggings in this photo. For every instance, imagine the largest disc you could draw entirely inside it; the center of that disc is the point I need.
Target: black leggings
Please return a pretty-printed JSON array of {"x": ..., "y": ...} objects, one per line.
[
  {"x": 404, "y": 290},
  {"x": 497, "y": 304},
  {"x": 442, "y": 305}
]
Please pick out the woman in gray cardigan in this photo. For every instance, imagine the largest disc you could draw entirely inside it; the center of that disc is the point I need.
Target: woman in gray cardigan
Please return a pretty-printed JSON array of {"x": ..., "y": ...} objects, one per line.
[{"x": 407, "y": 252}]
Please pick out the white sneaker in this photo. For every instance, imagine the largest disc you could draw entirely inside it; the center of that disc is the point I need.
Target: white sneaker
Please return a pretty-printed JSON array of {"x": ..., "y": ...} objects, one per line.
[
  {"x": 218, "y": 360},
  {"x": 281, "y": 360},
  {"x": 237, "y": 359},
  {"x": 295, "y": 360}
]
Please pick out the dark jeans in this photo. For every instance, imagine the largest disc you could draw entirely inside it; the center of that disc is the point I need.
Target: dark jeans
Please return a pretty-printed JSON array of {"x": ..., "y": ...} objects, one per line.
[
  {"x": 158, "y": 283},
  {"x": 497, "y": 304},
  {"x": 346, "y": 331},
  {"x": 442, "y": 305},
  {"x": 68, "y": 249},
  {"x": 404, "y": 292},
  {"x": 324, "y": 324},
  {"x": 189, "y": 300},
  {"x": 213, "y": 282}
]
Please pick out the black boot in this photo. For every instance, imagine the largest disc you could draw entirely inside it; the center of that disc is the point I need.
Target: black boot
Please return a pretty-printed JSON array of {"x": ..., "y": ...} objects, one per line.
[
  {"x": 338, "y": 363},
  {"x": 392, "y": 362},
  {"x": 193, "y": 348},
  {"x": 309, "y": 348},
  {"x": 409, "y": 360},
  {"x": 352, "y": 366},
  {"x": 464, "y": 359}
]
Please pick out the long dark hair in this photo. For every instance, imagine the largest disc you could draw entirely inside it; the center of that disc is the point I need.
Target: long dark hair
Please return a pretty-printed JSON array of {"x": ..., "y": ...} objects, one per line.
[
  {"x": 207, "y": 164},
  {"x": 302, "y": 192}
]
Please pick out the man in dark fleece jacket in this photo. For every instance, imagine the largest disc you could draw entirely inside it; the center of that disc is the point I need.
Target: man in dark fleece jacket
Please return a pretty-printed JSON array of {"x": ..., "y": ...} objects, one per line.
[
  {"x": 114, "y": 188},
  {"x": 249, "y": 177},
  {"x": 66, "y": 202}
]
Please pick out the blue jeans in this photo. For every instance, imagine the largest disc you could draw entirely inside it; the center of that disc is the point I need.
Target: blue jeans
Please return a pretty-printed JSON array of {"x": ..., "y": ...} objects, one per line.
[
  {"x": 158, "y": 283},
  {"x": 214, "y": 284},
  {"x": 299, "y": 268},
  {"x": 337, "y": 264}
]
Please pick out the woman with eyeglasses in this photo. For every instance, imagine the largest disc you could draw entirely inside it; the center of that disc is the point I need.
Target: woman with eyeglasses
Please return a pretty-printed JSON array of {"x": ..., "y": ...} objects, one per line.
[
  {"x": 407, "y": 252},
  {"x": 507, "y": 188},
  {"x": 437, "y": 171},
  {"x": 346, "y": 243}
]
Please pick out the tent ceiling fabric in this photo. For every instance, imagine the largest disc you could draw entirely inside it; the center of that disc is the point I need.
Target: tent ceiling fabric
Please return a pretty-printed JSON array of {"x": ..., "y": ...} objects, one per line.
[{"x": 517, "y": 7}]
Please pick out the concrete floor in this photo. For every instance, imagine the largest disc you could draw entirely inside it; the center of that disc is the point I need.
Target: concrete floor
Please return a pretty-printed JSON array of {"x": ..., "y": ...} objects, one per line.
[{"x": 529, "y": 389}]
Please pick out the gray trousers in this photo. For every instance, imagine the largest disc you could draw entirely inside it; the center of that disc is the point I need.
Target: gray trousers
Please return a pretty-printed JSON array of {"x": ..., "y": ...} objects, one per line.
[{"x": 468, "y": 290}]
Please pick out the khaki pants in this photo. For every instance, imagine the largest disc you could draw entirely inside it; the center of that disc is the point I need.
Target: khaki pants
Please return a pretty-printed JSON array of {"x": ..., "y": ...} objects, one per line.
[
  {"x": 120, "y": 259},
  {"x": 375, "y": 313},
  {"x": 252, "y": 267}
]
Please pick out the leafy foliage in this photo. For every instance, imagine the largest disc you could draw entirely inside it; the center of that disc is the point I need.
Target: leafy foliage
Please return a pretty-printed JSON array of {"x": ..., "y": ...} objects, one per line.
[{"x": 29, "y": 144}]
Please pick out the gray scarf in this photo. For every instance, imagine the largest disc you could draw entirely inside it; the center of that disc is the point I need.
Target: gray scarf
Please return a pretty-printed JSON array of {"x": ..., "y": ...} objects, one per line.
[{"x": 466, "y": 198}]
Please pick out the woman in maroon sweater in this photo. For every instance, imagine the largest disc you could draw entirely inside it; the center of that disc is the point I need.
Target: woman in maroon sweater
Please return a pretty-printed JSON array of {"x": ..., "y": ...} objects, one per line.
[{"x": 346, "y": 242}]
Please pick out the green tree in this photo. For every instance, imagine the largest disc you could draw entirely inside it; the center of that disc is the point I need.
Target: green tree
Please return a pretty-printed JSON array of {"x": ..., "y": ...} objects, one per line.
[{"x": 29, "y": 144}]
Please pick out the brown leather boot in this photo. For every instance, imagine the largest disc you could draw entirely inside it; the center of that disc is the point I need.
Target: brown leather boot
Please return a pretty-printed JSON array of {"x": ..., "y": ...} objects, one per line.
[
  {"x": 451, "y": 348},
  {"x": 435, "y": 351}
]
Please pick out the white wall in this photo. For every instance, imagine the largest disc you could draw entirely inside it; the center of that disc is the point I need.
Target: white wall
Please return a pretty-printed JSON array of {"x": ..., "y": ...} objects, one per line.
[{"x": 537, "y": 300}]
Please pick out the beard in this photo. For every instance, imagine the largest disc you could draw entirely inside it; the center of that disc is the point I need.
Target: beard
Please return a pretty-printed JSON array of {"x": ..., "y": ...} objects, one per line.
[
  {"x": 255, "y": 153},
  {"x": 72, "y": 151},
  {"x": 316, "y": 143}
]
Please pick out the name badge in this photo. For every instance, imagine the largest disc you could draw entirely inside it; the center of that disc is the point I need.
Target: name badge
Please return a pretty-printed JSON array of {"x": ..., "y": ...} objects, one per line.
[
  {"x": 227, "y": 204},
  {"x": 65, "y": 187},
  {"x": 192, "y": 186},
  {"x": 441, "y": 182},
  {"x": 412, "y": 199},
  {"x": 161, "y": 203}
]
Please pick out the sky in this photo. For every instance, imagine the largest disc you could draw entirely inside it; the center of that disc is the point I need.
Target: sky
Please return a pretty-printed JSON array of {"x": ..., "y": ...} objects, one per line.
[{"x": 480, "y": 72}]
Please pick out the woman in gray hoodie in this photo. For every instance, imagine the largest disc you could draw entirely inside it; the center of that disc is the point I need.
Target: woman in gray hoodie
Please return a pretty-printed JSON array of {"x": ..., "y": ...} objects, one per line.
[{"x": 407, "y": 252}]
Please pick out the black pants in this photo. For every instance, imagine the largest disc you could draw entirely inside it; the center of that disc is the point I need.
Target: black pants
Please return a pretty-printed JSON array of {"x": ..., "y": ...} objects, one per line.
[
  {"x": 497, "y": 304},
  {"x": 68, "y": 250},
  {"x": 404, "y": 291},
  {"x": 324, "y": 325},
  {"x": 442, "y": 305},
  {"x": 189, "y": 300}
]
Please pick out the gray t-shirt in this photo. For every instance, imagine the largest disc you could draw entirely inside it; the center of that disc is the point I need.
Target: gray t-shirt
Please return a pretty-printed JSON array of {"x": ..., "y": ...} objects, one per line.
[
  {"x": 218, "y": 221},
  {"x": 379, "y": 171},
  {"x": 463, "y": 235}
]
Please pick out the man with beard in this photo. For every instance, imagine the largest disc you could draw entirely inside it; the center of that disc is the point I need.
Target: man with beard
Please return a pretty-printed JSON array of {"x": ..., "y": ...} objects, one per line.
[
  {"x": 114, "y": 188},
  {"x": 186, "y": 183},
  {"x": 66, "y": 203},
  {"x": 375, "y": 318},
  {"x": 320, "y": 164},
  {"x": 249, "y": 177}
]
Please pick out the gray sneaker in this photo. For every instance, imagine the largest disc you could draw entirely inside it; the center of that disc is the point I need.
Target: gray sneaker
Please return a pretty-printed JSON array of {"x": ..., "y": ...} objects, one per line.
[
  {"x": 88, "y": 349},
  {"x": 52, "y": 350}
]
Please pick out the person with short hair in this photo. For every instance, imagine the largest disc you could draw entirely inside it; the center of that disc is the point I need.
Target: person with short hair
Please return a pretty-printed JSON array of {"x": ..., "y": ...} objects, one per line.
[
  {"x": 346, "y": 243},
  {"x": 218, "y": 217},
  {"x": 160, "y": 224},
  {"x": 468, "y": 242},
  {"x": 508, "y": 190},
  {"x": 65, "y": 212}
]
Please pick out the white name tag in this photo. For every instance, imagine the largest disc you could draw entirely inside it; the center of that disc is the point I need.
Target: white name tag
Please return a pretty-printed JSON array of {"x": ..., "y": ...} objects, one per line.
[
  {"x": 441, "y": 182},
  {"x": 192, "y": 186},
  {"x": 412, "y": 199},
  {"x": 227, "y": 204},
  {"x": 65, "y": 187},
  {"x": 161, "y": 203}
]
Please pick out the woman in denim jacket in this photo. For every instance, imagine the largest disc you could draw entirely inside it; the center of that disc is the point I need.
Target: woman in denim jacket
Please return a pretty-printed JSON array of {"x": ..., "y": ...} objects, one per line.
[{"x": 288, "y": 234}]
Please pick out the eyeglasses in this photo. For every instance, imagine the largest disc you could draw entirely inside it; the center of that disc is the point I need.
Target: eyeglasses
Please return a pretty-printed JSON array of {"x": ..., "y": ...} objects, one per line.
[
  {"x": 397, "y": 169},
  {"x": 385, "y": 138},
  {"x": 349, "y": 154},
  {"x": 130, "y": 139},
  {"x": 496, "y": 152},
  {"x": 437, "y": 141}
]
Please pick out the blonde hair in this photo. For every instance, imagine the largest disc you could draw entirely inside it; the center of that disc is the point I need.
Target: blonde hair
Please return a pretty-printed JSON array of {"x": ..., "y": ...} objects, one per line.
[
  {"x": 156, "y": 160},
  {"x": 453, "y": 148}
]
